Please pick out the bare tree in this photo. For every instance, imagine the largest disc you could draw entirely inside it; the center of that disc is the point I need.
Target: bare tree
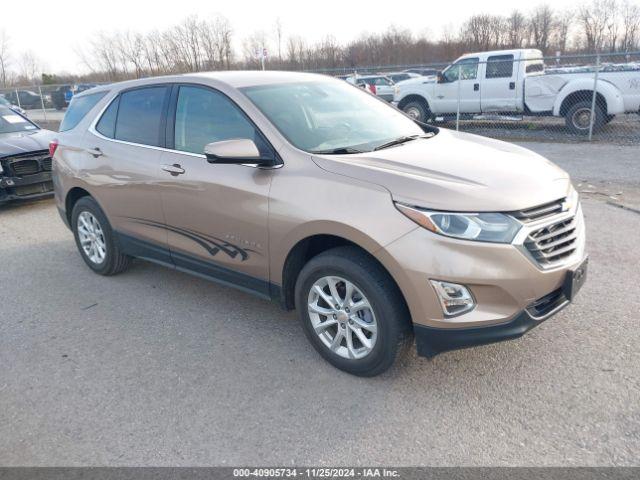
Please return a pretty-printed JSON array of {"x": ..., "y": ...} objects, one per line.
[
  {"x": 4, "y": 57},
  {"x": 595, "y": 19},
  {"x": 131, "y": 47},
  {"x": 215, "y": 37},
  {"x": 483, "y": 31},
  {"x": 541, "y": 26},
  {"x": 278, "y": 29},
  {"x": 630, "y": 16},
  {"x": 562, "y": 30},
  {"x": 30, "y": 66},
  {"x": 516, "y": 29}
]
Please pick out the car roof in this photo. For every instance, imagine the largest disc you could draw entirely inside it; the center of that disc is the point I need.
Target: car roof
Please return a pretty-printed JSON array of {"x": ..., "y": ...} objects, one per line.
[{"x": 235, "y": 79}]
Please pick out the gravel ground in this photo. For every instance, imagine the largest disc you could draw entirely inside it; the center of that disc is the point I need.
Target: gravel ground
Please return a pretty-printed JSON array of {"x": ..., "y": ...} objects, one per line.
[{"x": 155, "y": 367}]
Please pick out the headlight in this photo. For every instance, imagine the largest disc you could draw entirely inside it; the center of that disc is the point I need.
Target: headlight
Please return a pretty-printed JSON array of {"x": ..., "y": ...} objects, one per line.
[{"x": 482, "y": 227}]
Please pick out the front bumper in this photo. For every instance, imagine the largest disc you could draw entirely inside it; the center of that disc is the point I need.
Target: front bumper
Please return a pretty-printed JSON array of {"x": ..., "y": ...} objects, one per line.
[
  {"x": 28, "y": 187},
  {"x": 432, "y": 341}
]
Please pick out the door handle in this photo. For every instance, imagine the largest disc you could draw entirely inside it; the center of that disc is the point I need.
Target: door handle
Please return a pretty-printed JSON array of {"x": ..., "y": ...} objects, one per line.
[
  {"x": 96, "y": 152},
  {"x": 476, "y": 87},
  {"x": 512, "y": 85},
  {"x": 175, "y": 169}
]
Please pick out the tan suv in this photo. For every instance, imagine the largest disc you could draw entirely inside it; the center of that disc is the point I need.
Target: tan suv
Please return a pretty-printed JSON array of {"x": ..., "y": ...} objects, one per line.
[{"x": 308, "y": 191}]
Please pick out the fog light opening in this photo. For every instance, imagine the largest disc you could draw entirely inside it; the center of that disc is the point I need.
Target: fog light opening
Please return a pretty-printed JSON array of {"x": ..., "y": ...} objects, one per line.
[{"x": 454, "y": 299}]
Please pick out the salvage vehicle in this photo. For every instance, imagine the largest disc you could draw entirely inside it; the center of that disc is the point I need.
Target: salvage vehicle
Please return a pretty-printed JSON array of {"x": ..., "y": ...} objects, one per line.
[
  {"x": 25, "y": 162},
  {"x": 513, "y": 82},
  {"x": 7, "y": 103},
  {"x": 304, "y": 190},
  {"x": 25, "y": 99},
  {"x": 380, "y": 85},
  {"x": 401, "y": 76}
]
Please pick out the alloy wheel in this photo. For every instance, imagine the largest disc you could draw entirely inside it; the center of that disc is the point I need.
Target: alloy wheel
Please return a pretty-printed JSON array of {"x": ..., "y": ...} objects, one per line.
[
  {"x": 342, "y": 317},
  {"x": 91, "y": 237}
]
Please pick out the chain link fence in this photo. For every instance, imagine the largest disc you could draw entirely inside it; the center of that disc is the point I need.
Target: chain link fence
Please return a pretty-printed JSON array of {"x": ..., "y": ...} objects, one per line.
[
  {"x": 43, "y": 104},
  {"x": 562, "y": 98}
]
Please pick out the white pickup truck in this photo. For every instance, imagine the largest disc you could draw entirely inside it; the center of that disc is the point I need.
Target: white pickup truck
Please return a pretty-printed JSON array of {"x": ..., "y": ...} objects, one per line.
[{"x": 512, "y": 82}]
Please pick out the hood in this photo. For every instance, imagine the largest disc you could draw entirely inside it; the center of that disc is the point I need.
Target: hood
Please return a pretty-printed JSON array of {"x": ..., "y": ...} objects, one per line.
[
  {"x": 458, "y": 172},
  {"x": 24, "y": 142}
]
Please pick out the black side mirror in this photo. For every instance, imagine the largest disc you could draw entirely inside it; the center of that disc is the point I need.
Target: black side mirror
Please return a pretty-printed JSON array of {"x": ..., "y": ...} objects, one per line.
[{"x": 440, "y": 77}]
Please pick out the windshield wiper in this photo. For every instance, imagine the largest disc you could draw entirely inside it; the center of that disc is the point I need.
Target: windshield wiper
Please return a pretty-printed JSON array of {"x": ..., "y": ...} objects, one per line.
[
  {"x": 339, "y": 151},
  {"x": 400, "y": 141}
]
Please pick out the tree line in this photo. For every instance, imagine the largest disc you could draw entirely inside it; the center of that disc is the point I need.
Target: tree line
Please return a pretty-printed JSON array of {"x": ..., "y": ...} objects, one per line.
[{"x": 200, "y": 44}]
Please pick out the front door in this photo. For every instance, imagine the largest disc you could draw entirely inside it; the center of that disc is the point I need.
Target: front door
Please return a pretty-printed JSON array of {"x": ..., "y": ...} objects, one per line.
[
  {"x": 450, "y": 88},
  {"x": 216, "y": 215}
]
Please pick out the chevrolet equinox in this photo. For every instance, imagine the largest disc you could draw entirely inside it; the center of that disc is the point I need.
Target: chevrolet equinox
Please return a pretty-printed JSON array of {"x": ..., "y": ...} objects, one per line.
[{"x": 308, "y": 191}]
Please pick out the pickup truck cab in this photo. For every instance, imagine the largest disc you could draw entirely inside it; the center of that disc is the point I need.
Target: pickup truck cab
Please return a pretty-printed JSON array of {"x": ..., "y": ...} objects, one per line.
[{"x": 515, "y": 82}]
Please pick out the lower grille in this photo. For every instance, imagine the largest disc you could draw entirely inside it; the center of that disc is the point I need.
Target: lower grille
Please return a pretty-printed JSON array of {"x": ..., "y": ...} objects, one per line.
[
  {"x": 551, "y": 244},
  {"x": 25, "y": 167},
  {"x": 545, "y": 305},
  {"x": 33, "y": 189}
]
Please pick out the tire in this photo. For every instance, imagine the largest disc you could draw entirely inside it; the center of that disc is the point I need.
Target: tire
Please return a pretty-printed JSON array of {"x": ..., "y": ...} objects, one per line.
[
  {"x": 608, "y": 118},
  {"x": 113, "y": 261},
  {"x": 578, "y": 117},
  {"x": 418, "y": 110},
  {"x": 388, "y": 312}
]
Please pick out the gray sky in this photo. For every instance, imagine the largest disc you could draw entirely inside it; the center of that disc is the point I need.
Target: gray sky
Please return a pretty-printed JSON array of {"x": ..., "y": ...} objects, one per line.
[{"x": 55, "y": 30}]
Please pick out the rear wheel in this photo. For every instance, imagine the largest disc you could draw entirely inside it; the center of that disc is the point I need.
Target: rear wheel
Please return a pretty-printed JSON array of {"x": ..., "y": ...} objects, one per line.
[
  {"x": 95, "y": 239},
  {"x": 352, "y": 312},
  {"x": 578, "y": 118},
  {"x": 418, "y": 110}
]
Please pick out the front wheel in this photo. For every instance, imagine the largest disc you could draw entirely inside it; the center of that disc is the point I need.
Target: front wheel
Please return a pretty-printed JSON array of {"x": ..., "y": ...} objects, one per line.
[
  {"x": 578, "y": 118},
  {"x": 418, "y": 110},
  {"x": 352, "y": 312}
]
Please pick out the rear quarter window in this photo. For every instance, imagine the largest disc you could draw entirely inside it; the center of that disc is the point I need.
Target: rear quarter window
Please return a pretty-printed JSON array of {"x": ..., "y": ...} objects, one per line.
[{"x": 78, "y": 109}]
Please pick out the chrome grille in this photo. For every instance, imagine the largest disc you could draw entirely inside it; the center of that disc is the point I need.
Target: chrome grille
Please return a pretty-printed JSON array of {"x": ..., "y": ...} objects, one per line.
[
  {"x": 540, "y": 211},
  {"x": 552, "y": 243},
  {"x": 46, "y": 164}
]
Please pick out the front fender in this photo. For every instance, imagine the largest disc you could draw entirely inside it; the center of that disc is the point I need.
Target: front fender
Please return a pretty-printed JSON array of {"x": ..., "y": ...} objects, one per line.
[
  {"x": 610, "y": 93},
  {"x": 420, "y": 90}
]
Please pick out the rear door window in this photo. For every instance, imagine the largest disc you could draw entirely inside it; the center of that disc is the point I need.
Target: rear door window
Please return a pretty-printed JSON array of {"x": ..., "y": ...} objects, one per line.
[
  {"x": 499, "y": 66},
  {"x": 140, "y": 112},
  {"x": 78, "y": 109}
]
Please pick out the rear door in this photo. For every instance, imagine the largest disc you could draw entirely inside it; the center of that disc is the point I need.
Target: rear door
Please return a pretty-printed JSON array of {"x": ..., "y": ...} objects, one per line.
[
  {"x": 124, "y": 150},
  {"x": 499, "y": 92}
]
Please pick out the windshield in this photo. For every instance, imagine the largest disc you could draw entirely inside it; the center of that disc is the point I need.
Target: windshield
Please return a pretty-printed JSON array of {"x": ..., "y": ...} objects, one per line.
[
  {"x": 330, "y": 117},
  {"x": 11, "y": 122}
]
